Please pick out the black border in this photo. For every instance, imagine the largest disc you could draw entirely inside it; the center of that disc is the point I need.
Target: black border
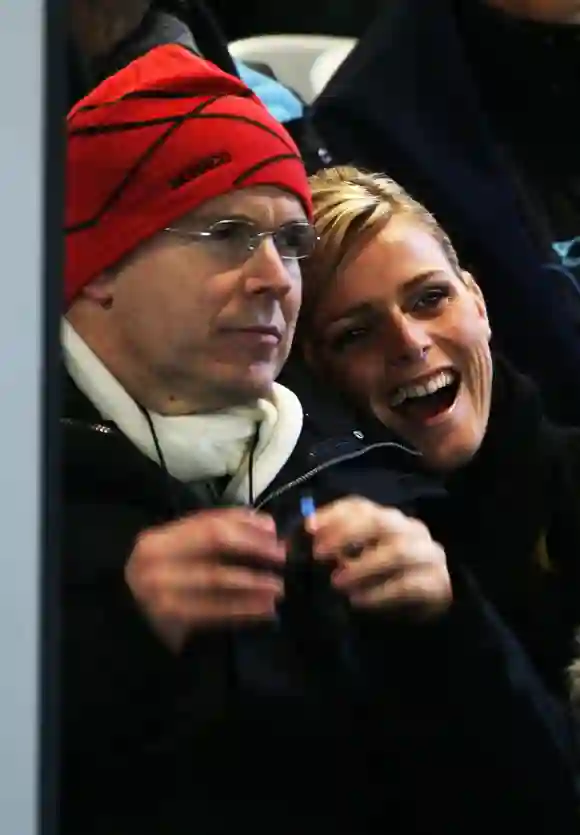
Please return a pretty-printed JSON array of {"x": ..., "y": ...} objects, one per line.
[{"x": 55, "y": 101}]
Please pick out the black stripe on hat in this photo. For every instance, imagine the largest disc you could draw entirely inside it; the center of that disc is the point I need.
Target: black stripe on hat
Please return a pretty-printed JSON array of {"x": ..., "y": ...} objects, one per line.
[
  {"x": 96, "y": 130},
  {"x": 263, "y": 164},
  {"x": 173, "y": 123},
  {"x": 168, "y": 95},
  {"x": 126, "y": 180}
]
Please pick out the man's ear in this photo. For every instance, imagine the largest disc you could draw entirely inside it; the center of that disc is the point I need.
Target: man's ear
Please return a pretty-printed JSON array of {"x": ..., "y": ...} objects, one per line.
[
  {"x": 475, "y": 291},
  {"x": 101, "y": 290}
]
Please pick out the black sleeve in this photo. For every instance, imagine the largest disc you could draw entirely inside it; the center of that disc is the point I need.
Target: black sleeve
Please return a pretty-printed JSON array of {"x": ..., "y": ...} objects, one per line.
[
  {"x": 123, "y": 692},
  {"x": 563, "y": 536},
  {"x": 481, "y": 718}
]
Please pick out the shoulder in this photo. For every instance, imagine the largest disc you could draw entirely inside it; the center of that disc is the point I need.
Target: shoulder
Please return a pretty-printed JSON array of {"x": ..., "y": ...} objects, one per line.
[
  {"x": 563, "y": 535},
  {"x": 561, "y": 448},
  {"x": 110, "y": 492},
  {"x": 564, "y": 443}
]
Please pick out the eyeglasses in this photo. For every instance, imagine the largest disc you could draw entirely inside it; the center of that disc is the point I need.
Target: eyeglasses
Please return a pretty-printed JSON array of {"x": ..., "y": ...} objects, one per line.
[{"x": 233, "y": 240}]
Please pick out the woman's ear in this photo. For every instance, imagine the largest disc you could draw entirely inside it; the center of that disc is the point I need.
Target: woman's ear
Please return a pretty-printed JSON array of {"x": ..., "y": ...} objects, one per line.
[{"x": 475, "y": 291}]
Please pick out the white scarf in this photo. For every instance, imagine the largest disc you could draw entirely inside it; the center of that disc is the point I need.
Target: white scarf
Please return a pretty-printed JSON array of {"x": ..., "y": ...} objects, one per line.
[{"x": 195, "y": 447}]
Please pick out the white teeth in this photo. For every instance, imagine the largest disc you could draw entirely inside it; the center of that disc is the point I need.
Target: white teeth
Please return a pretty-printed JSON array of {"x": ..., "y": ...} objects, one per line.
[{"x": 433, "y": 384}]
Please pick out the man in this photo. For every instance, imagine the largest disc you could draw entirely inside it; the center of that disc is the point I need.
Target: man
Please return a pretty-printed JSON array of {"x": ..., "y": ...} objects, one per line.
[
  {"x": 470, "y": 105},
  {"x": 255, "y": 633}
]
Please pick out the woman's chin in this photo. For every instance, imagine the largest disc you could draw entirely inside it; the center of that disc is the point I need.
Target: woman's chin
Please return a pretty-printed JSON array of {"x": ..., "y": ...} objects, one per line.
[
  {"x": 448, "y": 460},
  {"x": 452, "y": 450}
]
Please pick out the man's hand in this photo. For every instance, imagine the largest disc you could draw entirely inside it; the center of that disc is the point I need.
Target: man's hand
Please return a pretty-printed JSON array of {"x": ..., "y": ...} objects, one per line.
[{"x": 215, "y": 568}]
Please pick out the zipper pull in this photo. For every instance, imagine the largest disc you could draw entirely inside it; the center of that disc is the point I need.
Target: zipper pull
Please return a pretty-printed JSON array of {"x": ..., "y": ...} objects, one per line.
[{"x": 307, "y": 506}]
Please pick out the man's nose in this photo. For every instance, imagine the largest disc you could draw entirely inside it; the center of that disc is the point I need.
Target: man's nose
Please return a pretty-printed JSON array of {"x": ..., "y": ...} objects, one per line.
[{"x": 268, "y": 272}]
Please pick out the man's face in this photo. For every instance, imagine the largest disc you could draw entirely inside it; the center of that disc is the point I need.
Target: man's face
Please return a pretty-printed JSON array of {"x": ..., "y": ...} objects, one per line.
[{"x": 208, "y": 321}]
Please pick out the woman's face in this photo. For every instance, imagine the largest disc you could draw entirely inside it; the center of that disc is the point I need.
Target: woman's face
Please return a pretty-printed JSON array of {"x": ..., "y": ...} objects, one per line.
[{"x": 404, "y": 336}]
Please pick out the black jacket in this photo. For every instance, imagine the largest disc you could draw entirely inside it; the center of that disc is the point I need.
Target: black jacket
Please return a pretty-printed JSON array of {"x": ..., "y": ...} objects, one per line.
[
  {"x": 513, "y": 517},
  {"x": 407, "y": 101},
  {"x": 351, "y": 724}
]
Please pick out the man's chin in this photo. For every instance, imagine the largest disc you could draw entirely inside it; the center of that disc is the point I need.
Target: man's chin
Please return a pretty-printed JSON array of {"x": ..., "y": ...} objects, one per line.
[{"x": 245, "y": 390}]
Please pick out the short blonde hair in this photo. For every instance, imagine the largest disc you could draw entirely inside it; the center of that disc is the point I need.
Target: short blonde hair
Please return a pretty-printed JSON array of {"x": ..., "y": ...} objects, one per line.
[{"x": 350, "y": 204}]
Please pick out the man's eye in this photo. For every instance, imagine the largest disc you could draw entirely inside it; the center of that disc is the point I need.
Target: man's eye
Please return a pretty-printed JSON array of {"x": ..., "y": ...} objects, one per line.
[{"x": 230, "y": 230}]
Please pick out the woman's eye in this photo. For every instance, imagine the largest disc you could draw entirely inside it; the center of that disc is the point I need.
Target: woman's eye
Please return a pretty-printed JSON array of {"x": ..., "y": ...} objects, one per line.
[
  {"x": 348, "y": 337},
  {"x": 431, "y": 298}
]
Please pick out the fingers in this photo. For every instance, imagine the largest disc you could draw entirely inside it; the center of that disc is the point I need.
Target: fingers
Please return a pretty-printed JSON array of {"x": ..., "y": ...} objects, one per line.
[
  {"x": 386, "y": 577},
  {"x": 383, "y": 558},
  {"x": 230, "y": 533},
  {"x": 221, "y": 567},
  {"x": 348, "y": 526},
  {"x": 216, "y": 594},
  {"x": 212, "y": 569},
  {"x": 378, "y": 563},
  {"x": 413, "y": 590},
  {"x": 387, "y": 559},
  {"x": 189, "y": 581}
]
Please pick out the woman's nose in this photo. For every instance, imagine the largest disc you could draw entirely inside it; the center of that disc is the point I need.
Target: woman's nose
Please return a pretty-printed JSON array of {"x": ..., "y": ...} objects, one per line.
[{"x": 407, "y": 342}]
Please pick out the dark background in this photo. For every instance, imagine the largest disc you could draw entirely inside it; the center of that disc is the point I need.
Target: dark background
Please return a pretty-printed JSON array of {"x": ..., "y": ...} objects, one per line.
[{"x": 258, "y": 17}]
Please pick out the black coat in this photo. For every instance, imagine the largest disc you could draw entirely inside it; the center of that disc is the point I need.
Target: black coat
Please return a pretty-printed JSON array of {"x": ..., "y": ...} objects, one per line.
[
  {"x": 513, "y": 517},
  {"x": 406, "y": 101},
  {"x": 355, "y": 724}
]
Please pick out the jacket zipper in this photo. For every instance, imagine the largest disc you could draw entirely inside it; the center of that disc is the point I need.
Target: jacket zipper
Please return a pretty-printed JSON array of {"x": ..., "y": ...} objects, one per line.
[
  {"x": 339, "y": 459},
  {"x": 94, "y": 427},
  {"x": 331, "y": 463}
]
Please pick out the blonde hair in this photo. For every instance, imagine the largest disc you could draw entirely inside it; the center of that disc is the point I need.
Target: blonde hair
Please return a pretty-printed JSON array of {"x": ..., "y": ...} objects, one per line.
[{"x": 350, "y": 204}]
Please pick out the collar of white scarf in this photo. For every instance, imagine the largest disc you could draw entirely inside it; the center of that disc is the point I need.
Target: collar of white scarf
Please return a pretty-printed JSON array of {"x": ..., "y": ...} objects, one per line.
[{"x": 195, "y": 447}]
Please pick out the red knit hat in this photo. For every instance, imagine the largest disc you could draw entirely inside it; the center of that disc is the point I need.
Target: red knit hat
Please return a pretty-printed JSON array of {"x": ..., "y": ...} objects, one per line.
[{"x": 152, "y": 142}]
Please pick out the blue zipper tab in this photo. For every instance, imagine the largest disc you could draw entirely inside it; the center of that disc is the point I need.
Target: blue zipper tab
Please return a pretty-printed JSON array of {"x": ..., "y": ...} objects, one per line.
[{"x": 307, "y": 506}]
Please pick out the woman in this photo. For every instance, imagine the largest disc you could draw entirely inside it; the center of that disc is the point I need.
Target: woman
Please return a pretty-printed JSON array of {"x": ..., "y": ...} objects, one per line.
[{"x": 399, "y": 328}]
